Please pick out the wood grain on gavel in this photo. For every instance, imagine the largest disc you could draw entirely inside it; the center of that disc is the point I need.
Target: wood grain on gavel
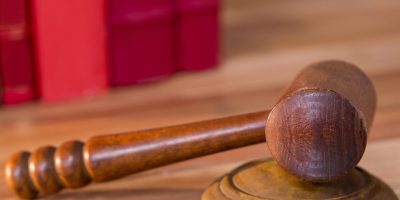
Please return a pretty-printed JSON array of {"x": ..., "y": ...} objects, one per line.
[{"x": 317, "y": 131}]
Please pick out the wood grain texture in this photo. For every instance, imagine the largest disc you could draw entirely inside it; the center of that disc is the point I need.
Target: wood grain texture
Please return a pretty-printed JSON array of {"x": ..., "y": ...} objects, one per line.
[
  {"x": 265, "y": 44},
  {"x": 318, "y": 129},
  {"x": 269, "y": 181}
]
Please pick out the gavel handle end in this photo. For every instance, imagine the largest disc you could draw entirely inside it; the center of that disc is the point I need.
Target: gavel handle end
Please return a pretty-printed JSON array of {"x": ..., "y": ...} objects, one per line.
[{"x": 47, "y": 170}]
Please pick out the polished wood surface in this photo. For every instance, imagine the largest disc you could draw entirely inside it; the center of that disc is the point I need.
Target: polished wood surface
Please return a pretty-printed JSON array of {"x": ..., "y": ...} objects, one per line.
[
  {"x": 265, "y": 44},
  {"x": 265, "y": 180}
]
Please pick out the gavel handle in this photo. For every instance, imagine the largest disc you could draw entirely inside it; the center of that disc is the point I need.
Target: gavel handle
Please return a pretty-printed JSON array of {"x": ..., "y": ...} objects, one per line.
[{"x": 103, "y": 158}]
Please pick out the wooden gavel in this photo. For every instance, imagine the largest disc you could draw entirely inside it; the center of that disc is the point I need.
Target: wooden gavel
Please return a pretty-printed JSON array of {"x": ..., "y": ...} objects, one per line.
[{"x": 317, "y": 131}]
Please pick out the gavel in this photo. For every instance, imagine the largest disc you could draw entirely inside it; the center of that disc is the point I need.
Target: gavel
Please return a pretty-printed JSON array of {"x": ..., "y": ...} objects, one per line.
[{"x": 317, "y": 131}]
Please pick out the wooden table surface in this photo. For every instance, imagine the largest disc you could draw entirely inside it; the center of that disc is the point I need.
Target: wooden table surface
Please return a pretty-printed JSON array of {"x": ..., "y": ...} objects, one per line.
[{"x": 264, "y": 44}]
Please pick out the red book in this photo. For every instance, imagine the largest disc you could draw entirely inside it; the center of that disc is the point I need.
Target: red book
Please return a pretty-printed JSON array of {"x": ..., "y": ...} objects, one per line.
[
  {"x": 141, "y": 35},
  {"x": 198, "y": 34},
  {"x": 15, "y": 52},
  {"x": 70, "y": 48}
]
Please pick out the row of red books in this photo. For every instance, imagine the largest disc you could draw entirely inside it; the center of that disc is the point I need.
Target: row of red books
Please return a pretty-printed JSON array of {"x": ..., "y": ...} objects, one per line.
[{"x": 65, "y": 49}]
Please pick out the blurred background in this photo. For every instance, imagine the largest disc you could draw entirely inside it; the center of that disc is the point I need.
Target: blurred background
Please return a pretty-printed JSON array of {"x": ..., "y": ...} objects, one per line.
[{"x": 72, "y": 69}]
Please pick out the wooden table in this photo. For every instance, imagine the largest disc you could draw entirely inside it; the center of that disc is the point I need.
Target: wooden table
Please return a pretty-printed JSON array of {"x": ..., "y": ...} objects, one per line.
[{"x": 265, "y": 44}]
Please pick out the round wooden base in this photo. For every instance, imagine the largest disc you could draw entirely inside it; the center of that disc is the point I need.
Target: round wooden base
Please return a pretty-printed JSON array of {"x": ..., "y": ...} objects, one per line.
[{"x": 264, "y": 179}]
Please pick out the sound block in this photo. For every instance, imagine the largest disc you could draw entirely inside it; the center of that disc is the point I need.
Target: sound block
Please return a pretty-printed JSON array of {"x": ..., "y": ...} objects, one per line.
[{"x": 264, "y": 179}]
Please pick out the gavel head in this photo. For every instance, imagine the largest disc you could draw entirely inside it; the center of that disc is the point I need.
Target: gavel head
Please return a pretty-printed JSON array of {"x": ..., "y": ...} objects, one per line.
[{"x": 318, "y": 129}]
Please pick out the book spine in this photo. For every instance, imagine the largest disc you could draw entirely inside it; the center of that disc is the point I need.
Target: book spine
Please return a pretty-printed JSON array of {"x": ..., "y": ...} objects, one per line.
[
  {"x": 16, "y": 64},
  {"x": 70, "y": 47},
  {"x": 198, "y": 34},
  {"x": 141, "y": 40}
]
